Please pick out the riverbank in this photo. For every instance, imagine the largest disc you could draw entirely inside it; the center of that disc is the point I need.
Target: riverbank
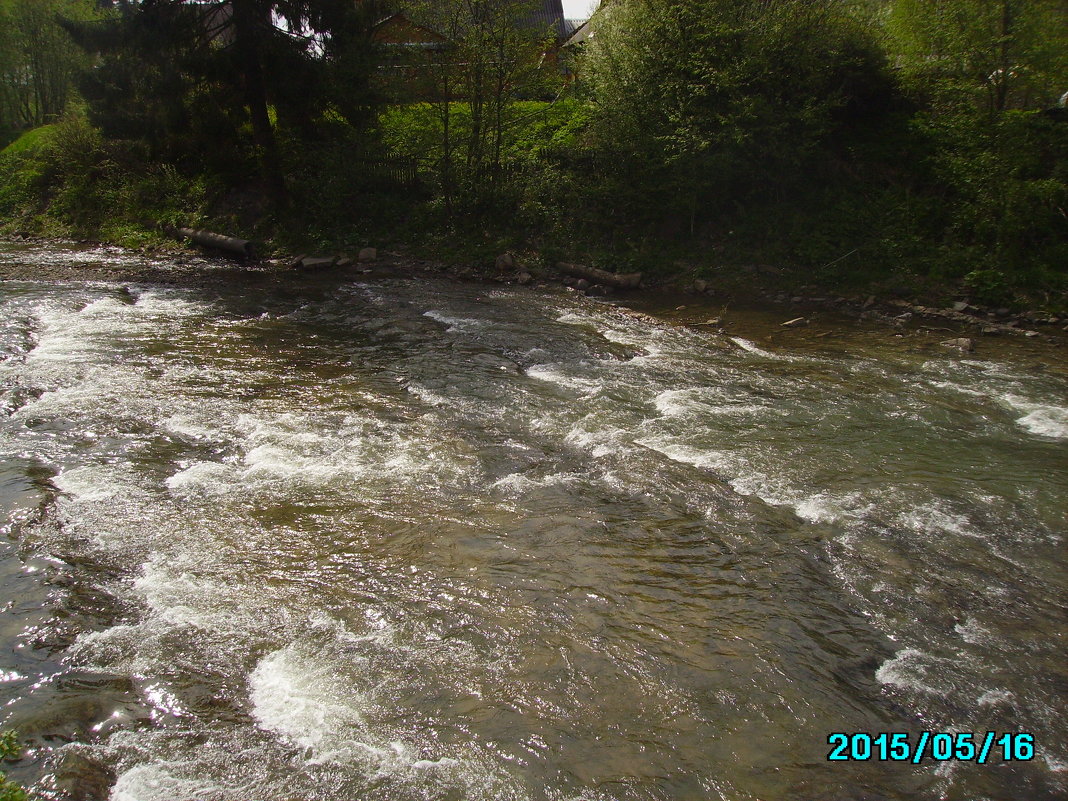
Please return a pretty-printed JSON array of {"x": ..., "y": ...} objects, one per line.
[{"x": 679, "y": 300}]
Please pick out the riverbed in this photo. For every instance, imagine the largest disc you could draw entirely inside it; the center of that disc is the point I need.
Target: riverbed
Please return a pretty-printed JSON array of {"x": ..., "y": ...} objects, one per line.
[{"x": 409, "y": 538}]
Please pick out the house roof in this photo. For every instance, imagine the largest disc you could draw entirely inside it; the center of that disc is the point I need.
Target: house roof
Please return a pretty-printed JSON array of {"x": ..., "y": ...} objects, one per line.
[
  {"x": 586, "y": 30},
  {"x": 549, "y": 14}
]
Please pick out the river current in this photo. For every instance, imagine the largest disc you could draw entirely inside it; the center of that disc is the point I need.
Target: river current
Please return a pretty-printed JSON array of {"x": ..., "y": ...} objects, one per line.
[{"x": 415, "y": 539}]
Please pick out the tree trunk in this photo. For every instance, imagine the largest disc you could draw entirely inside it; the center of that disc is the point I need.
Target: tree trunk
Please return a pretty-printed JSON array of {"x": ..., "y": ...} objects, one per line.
[
  {"x": 246, "y": 23},
  {"x": 618, "y": 280}
]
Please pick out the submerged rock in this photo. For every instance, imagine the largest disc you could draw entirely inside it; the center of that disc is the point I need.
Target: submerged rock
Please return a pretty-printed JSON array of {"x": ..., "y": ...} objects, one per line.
[{"x": 81, "y": 777}]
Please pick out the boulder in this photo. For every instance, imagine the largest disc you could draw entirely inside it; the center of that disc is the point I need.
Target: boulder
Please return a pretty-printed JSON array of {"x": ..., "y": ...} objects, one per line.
[
  {"x": 960, "y": 305},
  {"x": 344, "y": 261},
  {"x": 81, "y": 777},
  {"x": 298, "y": 261},
  {"x": 367, "y": 255},
  {"x": 700, "y": 285},
  {"x": 582, "y": 284},
  {"x": 964, "y": 344},
  {"x": 524, "y": 278},
  {"x": 505, "y": 263}
]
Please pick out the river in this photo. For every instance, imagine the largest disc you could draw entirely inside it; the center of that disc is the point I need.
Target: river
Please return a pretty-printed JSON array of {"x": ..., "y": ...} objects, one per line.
[{"x": 419, "y": 539}]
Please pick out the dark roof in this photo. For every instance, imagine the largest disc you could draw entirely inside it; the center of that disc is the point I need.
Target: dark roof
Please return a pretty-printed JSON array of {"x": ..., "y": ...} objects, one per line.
[{"x": 549, "y": 14}]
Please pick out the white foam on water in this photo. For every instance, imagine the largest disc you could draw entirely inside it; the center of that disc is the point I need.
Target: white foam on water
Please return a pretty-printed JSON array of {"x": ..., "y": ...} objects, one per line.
[
  {"x": 995, "y": 698},
  {"x": 88, "y": 484},
  {"x": 820, "y": 508},
  {"x": 182, "y": 599},
  {"x": 191, "y": 426},
  {"x": 157, "y": 781},
  {"x": 431, "y": 398},
  {"x": 958, "y": 388},
  {"x": 306, "y": 704},
  {"x": 971, "y": 632},
  {"x": 596, "y": 439},
  {"x": 574, "y": 318},
  {"x": 908, "y": 669},
  {"x": 933, "y": 518},
  {"x": 1054, "y": 764},
  {"x": 646, "y": 341},
  {"x": 1042, "y": 419},
  {"x": 686, "y": 454},
  {"x": 520, "y": 483},
  {"x": 299, "y": 451},
  {"x": 552, "y": 374},
  {"x": 456, "y": 325},
  {"x": 202, "y": 477},
  {"x": 756, "y": 350},
  {"x": 706, "y": 402}
]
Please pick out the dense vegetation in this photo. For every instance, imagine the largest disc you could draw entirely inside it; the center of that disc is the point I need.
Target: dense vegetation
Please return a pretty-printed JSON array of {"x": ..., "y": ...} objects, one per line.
[{"x": 903, "y": 143}]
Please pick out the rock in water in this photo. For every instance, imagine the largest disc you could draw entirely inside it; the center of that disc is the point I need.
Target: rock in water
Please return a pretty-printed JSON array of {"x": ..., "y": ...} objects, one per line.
[
  {"x": 80, "y": 777},
  {"x": 505, "y": 263},
  {"x": 367, "y": 254},
  {"x": 524, "y": 278},
  {"x": 964, "y": 344}
]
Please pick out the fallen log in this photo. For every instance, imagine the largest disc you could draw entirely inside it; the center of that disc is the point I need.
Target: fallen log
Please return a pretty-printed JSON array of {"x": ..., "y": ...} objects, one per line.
[
  {"x": 618, "y": 280},
  {"x": 241, "y": 247}
]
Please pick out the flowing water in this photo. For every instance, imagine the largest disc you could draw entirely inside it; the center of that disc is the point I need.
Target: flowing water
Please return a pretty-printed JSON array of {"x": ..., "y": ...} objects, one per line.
[{"x": 424, "y": 540}]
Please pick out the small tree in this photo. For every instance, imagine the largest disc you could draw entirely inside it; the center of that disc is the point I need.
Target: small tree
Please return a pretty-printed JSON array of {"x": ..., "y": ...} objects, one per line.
[
  {"x": 38, "y": 60},
  {"x": 490, "y": 57}
]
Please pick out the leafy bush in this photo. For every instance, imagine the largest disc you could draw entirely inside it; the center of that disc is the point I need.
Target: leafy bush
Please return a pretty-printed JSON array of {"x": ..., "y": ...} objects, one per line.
[{"x": 10, "y": 749}]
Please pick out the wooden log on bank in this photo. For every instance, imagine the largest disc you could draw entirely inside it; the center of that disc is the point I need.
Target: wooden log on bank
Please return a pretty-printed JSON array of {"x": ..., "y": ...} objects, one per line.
[
  {"x": 617, "y": 280},
  {"x": 240, "y": 247}
]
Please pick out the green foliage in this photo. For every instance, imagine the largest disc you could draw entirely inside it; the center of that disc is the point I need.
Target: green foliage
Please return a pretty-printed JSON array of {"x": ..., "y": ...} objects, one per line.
[
  {"x": 487, "y": 61},
  {"x": 66, "y": 179},
  {"x": 10, "y": 749},
  {"x": 987, "y": 285},
  {"x": 989, "y": 55},
  {"x": 38, "y": 61},
  {"x": 1004, "y": 188},
  {"x": 539, "y": 127},
  {"x": 30, "y": 141},
  {"x": 710, "y": 103}
]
